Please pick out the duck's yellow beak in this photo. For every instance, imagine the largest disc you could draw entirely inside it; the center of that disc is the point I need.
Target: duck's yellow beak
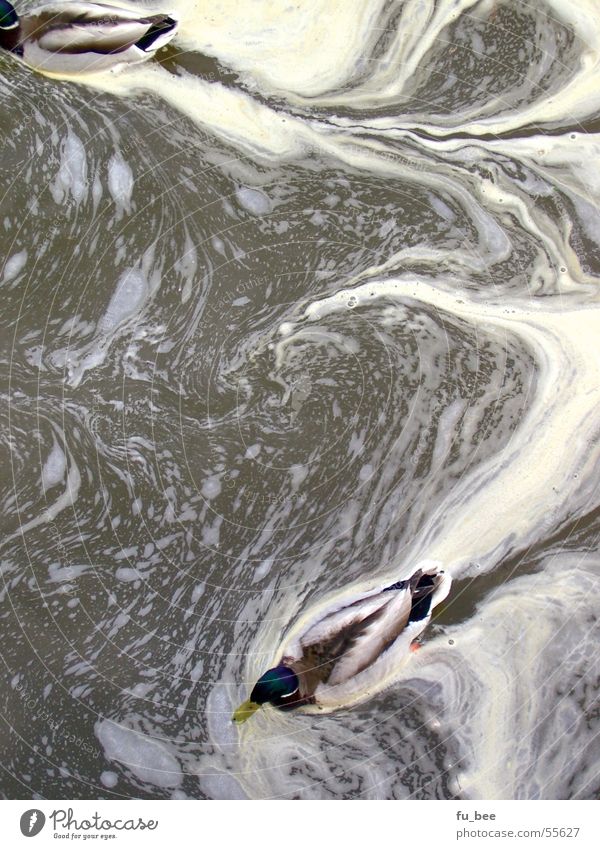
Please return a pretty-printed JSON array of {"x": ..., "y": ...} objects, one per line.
[{"x": 245, "y": 711}]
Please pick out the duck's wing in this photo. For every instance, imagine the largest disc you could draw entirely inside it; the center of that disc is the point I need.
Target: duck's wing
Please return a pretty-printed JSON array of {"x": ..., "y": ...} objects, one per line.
[
  {"x": 89, "y": 28},
  {"x": 324, "y": 643},
  {"x": 378, "y": 631},
  {"x": 342, "y": 620}
]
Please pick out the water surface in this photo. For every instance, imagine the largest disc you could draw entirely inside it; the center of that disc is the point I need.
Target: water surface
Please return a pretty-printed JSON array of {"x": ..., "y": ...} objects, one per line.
[{"x": 306, "y": 302}]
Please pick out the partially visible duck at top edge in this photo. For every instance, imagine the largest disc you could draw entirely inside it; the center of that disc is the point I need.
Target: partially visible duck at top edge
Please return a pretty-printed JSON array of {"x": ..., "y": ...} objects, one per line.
[{"x": 81, "y": 38}]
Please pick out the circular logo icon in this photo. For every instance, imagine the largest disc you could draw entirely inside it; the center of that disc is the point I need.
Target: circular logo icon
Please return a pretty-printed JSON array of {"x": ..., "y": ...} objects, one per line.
[{"x": 32, "y": 822}]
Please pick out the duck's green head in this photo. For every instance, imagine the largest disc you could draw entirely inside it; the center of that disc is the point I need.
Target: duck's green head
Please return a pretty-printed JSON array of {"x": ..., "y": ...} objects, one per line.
[
  {"x": 8, "y": 16},
  {"x": 274, "y": 686}
]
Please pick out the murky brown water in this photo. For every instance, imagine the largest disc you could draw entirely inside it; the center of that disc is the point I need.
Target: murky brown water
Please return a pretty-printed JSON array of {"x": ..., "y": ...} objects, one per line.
[{"x": 308, "y": 302}]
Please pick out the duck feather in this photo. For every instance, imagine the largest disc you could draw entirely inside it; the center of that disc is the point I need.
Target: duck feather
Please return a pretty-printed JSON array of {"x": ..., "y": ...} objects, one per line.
[
  {"x": 342, "y": 619},
  {"x": 378, "y": 632},
  {"x": 86, "y": 28}
]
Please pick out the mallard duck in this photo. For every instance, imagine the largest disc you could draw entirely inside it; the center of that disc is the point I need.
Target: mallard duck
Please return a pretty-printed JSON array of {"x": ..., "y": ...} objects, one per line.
[
  {"x": 75, "y": 38},
  {"x": 338, "y": 654}
]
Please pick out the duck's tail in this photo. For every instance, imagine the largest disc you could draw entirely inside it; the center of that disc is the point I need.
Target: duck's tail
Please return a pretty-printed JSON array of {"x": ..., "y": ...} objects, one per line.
[
  {"x": 422, "y": 593},
  {"x": 421, "y": 586},
  {"x": 409, "y": 583},
  {"x": 160, "y": 32}
]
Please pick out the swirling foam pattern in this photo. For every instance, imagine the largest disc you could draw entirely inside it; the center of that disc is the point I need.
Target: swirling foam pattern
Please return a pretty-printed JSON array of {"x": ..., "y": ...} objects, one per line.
[{"x": 312, "y": 299}]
